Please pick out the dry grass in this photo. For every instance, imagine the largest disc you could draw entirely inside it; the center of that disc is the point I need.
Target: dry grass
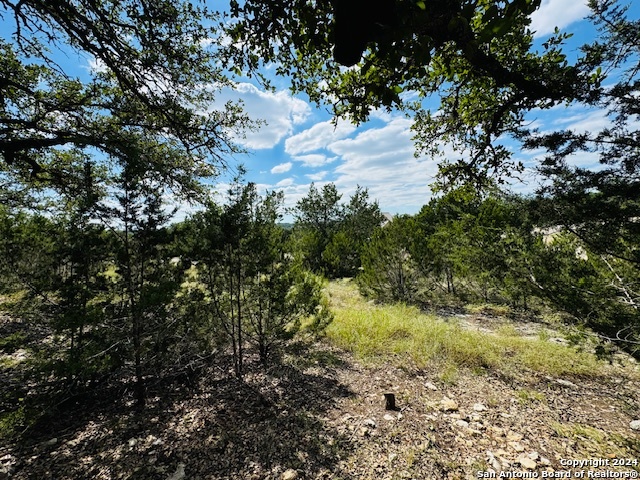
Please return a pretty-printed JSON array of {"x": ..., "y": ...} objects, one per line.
[{"x": 372, "y": 331}]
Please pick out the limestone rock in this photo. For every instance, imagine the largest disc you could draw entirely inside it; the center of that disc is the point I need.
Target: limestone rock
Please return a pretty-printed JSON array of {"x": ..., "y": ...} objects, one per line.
[
  {"x": 566, "y": 383},
  {"x": 516, "y": 446},
  {"x": 514, "y": 437},
  {"x": 479, "y": 407},
  {"x": 290, "y": 474},
  {"x": 448, "y": 405},
  {"x": 178, "y": 474},
  {"x": 635, "y": 425},
  {"x": 462, "y": 423},
  {"x": 51, "y": 442},
  {"x": 527, "y": 462},
  {"x": 491, "y": 459}
]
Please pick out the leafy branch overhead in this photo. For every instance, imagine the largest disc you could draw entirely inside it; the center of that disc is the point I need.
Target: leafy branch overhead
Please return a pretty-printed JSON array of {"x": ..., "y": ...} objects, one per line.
[
  {"x": 476, "y": 56},
  {"x": 153, "y": 82}
]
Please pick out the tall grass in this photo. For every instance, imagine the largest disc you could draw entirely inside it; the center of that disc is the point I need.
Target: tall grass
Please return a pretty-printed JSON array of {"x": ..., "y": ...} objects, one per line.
[{"x": 378, "y": 331}]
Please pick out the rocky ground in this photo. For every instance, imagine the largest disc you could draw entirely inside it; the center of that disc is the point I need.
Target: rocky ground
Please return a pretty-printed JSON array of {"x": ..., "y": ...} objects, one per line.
[{"x": 321, "y": 414}]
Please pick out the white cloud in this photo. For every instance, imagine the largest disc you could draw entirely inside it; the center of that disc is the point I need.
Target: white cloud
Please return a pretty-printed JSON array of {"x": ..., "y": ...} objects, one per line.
[
  {"x": 317, "y": 137},
  {"x": 287, "y": 182},
  {"x": 96, "y": 65},
  {"x": 279, "y": 110},
  {"x": 584, "y": 121},
  {"x": 316, "y": 177},
  {"x": 282, "y": 168},
  {"x": 377, "y": 145},
  {"x": 557, "y": 13},
  {"x": 382, "y": 159},
  {"x": 314, "y": 159}
]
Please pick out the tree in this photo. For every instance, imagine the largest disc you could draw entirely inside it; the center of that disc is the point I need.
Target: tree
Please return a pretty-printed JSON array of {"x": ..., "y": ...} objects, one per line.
[
  {"x": 257, "y": 293},
  {"x": 155, "y": 79},
  {"x": 600, "y": 205},
  {"x": 82, "y": 257},
  {"x": 389, "y": 271},
  {"x": 360, "y": 220},
  {"x": 329, "y": 235},
  {"x": 478, "y": 59},
  {"x": 145, "y": 284},
  {"x": 317, "y": 217}
]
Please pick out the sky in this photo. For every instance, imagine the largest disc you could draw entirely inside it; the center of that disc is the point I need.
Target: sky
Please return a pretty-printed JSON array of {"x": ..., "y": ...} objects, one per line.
[{"x": 298, "y": 143}]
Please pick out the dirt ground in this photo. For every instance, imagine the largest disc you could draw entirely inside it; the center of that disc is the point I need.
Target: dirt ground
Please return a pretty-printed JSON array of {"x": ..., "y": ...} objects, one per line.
[{"x": 321, "y": 414}]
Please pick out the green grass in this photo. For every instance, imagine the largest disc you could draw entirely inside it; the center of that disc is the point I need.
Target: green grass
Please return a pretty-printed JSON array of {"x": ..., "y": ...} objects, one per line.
[
  {"x": 379, "y": 331},
  {"x": 11, "y": 423},
  {"x": 13, "y": 342},
  {"x": 527, "y": 396}
]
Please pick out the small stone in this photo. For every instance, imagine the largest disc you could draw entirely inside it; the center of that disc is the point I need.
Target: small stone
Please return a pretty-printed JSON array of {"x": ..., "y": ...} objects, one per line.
[
  {"x": 533, "y": 455},
  {"x": 430, "y": 386},
  {"x": 448, "y": 405},
  {"x": 516, "y": 446},
  {"x": 132, "y": 442},
  {"x": 635, "y": 425},
  {"x": 493, "y": 462},
  {"x": 7, "y": 463},
  {"x": 179, "y": 473},
  {"x": 545, "y": 461},
  {"x": 513, "y": 436},
  {"x": 370, "y": 422},
  {"x": 478, "y": 407},
  {"x": 462, "y": 424},
  {"x": 527, "y": 463},
  {"x": 51, "y": 442},
  {"x": 389, "y": 418},
  {"x": 290, "y": 474},
  {"x": 392, "y": 456},
  {"x": 566, "y": 383}
]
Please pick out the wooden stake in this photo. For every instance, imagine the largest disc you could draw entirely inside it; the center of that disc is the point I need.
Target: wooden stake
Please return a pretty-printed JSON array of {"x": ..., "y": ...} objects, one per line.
[{"x": 390, "y": 402}]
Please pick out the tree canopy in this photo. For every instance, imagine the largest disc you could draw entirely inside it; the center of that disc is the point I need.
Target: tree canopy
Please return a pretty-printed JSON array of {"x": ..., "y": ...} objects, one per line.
[
  {"x": 150, "y": 94},
  {"x": 477, "y": 57}
]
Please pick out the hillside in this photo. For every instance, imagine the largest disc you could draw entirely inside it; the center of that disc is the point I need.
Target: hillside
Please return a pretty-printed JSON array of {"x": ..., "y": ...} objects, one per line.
[{"x": 467, "y": 403}]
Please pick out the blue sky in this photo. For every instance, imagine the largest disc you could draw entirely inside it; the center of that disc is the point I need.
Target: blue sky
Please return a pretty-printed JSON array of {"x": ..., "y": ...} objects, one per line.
[{"x": 298, "y": 143}]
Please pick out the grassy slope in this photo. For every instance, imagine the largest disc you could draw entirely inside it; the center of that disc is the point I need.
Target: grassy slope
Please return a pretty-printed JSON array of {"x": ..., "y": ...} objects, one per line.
[{"x": 372, "y": 330}]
